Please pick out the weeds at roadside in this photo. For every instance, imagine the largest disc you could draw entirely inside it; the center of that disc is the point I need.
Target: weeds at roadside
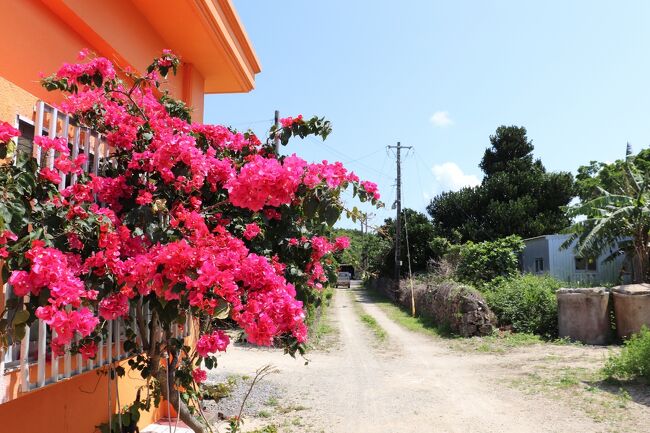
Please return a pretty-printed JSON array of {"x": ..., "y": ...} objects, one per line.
[
  {"x": 379, "y": 332},
  {"x": 321, "y": 331},
  {"x": 402, "y": 318},
  {"x": 272, "y": 428},
  {"x": 498, "y": 342},
  {"x": 370, "y": 321},
  {"x": 582, "y": 388},
  {"x": 291, "y": 408}
]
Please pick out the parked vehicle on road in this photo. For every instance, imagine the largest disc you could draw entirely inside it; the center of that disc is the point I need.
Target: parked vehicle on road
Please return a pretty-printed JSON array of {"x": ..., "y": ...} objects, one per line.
[{"x": 344, "y": 279}]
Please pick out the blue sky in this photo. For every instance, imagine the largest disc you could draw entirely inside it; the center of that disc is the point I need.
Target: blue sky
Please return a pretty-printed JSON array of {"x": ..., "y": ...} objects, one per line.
[{"x": 441, "y": 76}]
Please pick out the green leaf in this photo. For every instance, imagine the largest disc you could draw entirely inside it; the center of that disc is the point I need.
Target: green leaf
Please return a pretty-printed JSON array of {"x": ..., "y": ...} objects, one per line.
[
  {"x": 20, "y": 317},
  {"x": 222, "y": 311},
  {"x": 309, "y": 206},
  {"x": 19, "y": 332},
  {"x": 332, "y": 214}
]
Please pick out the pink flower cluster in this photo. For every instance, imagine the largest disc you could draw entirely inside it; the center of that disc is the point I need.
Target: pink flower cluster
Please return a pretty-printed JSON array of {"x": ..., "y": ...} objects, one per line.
[
  {"x": 114, "y": 306},
  {"x": 99, "y": 66},
  {"x": 371, "y": 188},
  {"x": 288, "y": 122},
  {"x": 52, "y": 269},
  {"x": 320, "y": 247},
  {"x": 6, "y": 235},
  {"x": 66, "y": 323},
  {"x": 199, "y": 375},
  {"x": 194, "y": 177},
  {"x": 251, "y": 231},
  {"x": 221, "y": 137},
  {"x": 7, "y": 132},
  {"x": 216, "y": 341},
  {"x": 266, "y": 182}
]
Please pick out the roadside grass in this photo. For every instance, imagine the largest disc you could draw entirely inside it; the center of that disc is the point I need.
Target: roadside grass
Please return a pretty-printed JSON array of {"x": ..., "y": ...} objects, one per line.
[
  {"x": 370, "y": 321},
  {"x": 585, "y": 389},
  {"x": 321, "y": 330},
  {"x": 401, "y": 317},
  {"x": 372, "y": 324},
  {"x": 498, "y": 342},
  {"x": 271, "y": 428}
]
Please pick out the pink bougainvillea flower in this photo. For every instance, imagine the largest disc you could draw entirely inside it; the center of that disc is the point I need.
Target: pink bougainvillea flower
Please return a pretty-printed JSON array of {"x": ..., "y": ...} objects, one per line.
[
  {"x": 144, "y": 197},
  {"x": 59, "y": 144},
  {"x": 199, "y": 375},
  {"x": 50, "y": 175},
  {"x": 370, "y": 188},
  {"x": 251, "y": 231},
  {"x": 217, "y": 341},
  {"x": 88, "y": 350},
  {"x": 7, "y": 235},
  {"x": 7, "y": 132},
  {"x": 342, "y": 243},
  {"x": 114, "y": 306},
  {"x": 287, "y": 122}
]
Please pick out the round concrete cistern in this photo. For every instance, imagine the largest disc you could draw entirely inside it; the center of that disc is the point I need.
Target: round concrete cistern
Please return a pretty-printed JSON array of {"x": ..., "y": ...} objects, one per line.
[
  {"x": 583, "y": 315},
  {"x": 632, "y": 308}
]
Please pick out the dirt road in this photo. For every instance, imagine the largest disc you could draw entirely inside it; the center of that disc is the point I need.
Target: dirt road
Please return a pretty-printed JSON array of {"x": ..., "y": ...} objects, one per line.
[{"x": 408, "y": 383}]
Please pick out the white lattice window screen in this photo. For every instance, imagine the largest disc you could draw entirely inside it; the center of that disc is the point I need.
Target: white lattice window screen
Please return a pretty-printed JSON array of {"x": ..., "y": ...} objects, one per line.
[{"x": 51, "y": 122}]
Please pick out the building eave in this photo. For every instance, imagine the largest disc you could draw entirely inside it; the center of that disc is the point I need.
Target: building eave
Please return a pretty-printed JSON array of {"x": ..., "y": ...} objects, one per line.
[{"x": 209, "y": 35}]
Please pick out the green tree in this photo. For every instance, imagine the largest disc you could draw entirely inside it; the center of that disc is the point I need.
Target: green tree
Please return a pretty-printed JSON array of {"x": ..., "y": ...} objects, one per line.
[
  {"x": 517, "y": 195},
  {"x": 482, "y": 262},
  {"x": 616, "y": 220},
  {"x": 596, "y": 175},
  {"x": 422, "y": 245}
]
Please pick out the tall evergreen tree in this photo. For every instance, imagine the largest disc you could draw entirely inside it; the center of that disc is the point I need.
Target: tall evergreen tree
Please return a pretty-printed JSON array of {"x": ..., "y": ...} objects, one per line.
[{"x": 517, "y": 195}]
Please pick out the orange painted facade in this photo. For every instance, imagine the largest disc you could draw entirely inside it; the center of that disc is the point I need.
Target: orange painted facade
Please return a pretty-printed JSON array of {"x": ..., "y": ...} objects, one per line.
[{"x": 38, "y": 36}]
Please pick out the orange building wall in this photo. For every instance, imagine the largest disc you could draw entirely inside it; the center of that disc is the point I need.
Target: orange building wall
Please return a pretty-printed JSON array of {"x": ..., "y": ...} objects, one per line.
[
  {"x": 34, "y": 39},
  {"x": 37, "y": 39},
  {"x": 38, "y": 36},
  {"x": 13, "y": 101},
  {"x": 135, "y": 40}
]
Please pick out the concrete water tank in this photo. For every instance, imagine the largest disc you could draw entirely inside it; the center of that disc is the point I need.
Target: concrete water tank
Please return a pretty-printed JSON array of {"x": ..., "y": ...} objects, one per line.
[
  {"x": 632, "y": 308},
  {"x": 583, "y": 315}
]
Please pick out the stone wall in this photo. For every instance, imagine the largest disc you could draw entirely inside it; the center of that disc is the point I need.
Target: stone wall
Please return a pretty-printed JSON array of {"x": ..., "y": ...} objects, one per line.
[{"x": 457, "y": 307}]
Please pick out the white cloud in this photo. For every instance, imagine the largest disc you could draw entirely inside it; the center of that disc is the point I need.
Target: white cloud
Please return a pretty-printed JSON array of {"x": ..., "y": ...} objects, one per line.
[
  {"x": 449, "y": 177},
  {"x": 441, "y": 119}
]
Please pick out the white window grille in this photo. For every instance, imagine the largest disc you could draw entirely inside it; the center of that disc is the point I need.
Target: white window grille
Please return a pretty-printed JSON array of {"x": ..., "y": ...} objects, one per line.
[{"x": 33, "y": 348}]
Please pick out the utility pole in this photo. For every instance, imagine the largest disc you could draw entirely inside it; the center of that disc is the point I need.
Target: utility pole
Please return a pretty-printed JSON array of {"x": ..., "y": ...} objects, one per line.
[
  {"x": 276, "y": 140},
  {"x": 398, "y": 205}
]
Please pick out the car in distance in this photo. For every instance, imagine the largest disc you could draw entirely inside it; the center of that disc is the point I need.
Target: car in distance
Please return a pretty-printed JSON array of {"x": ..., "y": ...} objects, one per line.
[{"x": 344, "y": 279}]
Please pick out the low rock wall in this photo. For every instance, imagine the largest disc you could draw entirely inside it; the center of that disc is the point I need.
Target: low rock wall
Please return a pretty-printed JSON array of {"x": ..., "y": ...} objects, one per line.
[{"x": 448, "y": 304}]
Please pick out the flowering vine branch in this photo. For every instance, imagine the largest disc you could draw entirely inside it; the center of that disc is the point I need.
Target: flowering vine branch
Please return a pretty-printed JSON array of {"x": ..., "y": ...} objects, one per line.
[{"x": 198, "y": 224}]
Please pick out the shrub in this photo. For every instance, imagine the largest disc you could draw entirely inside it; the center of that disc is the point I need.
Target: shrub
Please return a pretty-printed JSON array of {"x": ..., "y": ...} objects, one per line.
[
  {"x": 479, "y": 263},
  {"x": 634, "y": 360},
  {"x": 526, "y": 302}
]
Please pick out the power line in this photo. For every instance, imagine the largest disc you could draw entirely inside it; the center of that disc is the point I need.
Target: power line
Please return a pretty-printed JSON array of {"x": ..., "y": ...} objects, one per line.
[
  {"x": 363, "y": 157},
  {"x": 341, "y": 154}
]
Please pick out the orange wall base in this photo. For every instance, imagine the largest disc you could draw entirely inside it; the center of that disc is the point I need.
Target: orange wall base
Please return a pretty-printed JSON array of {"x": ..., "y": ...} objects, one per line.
[{"x": 75, "y": 405}]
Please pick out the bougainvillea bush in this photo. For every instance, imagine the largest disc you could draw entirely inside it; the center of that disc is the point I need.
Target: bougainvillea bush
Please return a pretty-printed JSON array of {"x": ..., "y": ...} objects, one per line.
[{"x": 184, "y": 220}]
